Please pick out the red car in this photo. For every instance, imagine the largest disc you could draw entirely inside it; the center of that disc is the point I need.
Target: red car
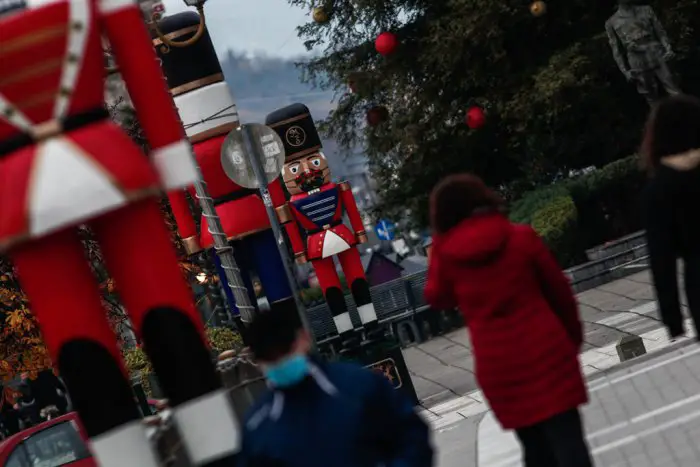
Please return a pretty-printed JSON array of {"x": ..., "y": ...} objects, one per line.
[{"x": 58, "y": 442}]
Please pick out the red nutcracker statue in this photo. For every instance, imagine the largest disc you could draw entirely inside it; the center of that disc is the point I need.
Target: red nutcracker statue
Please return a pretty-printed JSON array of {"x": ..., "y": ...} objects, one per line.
[
  {"x": 317, "y": 207},
  {"x": 63, "y": 163}
]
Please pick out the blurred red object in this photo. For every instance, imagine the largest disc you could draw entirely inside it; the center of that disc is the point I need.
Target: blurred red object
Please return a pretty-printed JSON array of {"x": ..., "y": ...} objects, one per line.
[
  {"x": 476, "y": 118},
  {"x": 72, "y": 447},
  {"x": 386, "y": 43},
  {"x": 377, "y": 115}
]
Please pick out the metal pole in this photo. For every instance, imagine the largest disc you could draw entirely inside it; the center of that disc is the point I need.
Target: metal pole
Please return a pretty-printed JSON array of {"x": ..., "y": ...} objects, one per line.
[
  {"x": 254, "y": 152},
  {"x": 224, "y": 250},
  {"x": 221, "y": 245}
]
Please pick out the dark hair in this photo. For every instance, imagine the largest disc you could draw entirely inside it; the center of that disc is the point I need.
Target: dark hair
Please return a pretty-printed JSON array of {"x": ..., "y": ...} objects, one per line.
[
  {"x": 458, "y": 197},
  {"x": 272, "y": 334},
  {"x": 673, "y": 128}
]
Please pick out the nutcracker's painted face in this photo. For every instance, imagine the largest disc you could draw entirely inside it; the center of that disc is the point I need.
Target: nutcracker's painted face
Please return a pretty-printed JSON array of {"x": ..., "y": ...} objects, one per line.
[{"x": 306, "y": 174}]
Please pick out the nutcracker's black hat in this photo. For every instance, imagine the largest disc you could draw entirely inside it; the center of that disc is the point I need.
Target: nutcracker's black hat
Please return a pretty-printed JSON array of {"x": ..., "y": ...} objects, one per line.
[
  {"x": 295, "y": 125},
  {"x": 191, "y": 67}
]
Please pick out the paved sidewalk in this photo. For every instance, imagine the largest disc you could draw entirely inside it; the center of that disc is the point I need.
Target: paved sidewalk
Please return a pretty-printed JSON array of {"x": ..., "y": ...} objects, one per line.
[
  {"x": 646, "y": 415},
  {"x": 593, "y": 361},
  {"x": 442, "y": 368}
]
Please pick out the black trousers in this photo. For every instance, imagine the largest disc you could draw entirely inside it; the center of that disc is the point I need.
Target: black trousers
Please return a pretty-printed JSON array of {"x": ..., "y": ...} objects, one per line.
[{"x": 556, "y": 442}]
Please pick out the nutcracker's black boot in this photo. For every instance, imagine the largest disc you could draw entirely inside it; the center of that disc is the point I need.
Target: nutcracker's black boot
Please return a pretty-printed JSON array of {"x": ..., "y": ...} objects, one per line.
[
  {"x": 341, "y": 317},
  {"x": 371, "y": 330},
  {"x": 372, "y": 333}
]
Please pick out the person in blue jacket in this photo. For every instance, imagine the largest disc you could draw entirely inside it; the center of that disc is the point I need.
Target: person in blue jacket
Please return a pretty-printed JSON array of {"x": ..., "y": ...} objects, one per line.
[{"x": 319, "y": 414}]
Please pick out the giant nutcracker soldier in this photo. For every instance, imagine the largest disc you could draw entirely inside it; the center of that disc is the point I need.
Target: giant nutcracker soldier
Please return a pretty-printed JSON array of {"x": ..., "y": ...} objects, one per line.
[
  {"x": 63, "y": 163},
  {"x": 208, "y": 113},
  {"x": 317, "y": 207}
]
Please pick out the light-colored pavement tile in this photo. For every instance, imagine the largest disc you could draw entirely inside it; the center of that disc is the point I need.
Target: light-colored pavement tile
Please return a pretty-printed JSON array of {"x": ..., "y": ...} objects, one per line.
[{"x": 647, "y": 415}]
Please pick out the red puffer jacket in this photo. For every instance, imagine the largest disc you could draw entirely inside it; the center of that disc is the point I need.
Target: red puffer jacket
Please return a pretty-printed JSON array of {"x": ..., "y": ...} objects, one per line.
[{"x": 521, "y": 315}]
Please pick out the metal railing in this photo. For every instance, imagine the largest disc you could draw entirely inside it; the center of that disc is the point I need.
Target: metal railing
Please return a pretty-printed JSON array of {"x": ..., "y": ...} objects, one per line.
[{"x": 393, "y": 301}]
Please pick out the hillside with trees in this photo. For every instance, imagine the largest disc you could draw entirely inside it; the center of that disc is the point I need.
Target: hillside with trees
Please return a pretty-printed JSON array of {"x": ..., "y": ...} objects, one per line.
[{"x": 263, "y": 84}]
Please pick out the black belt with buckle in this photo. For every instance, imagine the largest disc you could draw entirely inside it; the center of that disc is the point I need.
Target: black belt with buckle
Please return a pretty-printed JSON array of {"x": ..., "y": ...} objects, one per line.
[
  {"x": 325, "y": 227},
  {"x": 69, "y": 123}
]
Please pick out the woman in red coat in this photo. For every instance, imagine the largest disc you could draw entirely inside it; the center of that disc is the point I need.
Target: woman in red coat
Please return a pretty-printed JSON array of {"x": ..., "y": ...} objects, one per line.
[{"x": 521, "y": 315}]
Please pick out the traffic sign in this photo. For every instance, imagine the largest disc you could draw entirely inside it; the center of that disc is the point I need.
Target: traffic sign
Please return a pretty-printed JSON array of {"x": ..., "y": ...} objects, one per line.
[
  {"x": 385, "y": 229},
  {"x": 236, "y": 161}
]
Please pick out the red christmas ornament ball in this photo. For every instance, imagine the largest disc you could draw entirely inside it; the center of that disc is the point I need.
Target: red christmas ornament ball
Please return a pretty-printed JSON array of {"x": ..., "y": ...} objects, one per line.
[
  {"x": 476, "y": 118},
  {"x": 386, "y": 43},
  {"x": 377, "y": 115}
]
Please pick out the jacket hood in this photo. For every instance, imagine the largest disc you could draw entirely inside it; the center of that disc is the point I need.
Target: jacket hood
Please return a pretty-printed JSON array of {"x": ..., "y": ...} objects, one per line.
[
  {"x": 683, "y": 162},
  {"x": 477, "y": 239}
]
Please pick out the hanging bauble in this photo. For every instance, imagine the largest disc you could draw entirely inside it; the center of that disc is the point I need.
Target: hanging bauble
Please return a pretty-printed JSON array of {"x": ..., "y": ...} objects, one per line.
[
  {"x": 377, "y": 114},
  {"x": 538, "y": 8},
  {"x": 386, "y": 43},
  {"x": 476, "y": 118},
  {"x": 320, "y": 15}
]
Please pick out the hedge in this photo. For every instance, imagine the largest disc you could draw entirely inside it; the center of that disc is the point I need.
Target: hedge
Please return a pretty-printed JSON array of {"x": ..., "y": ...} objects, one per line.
[
  {"x": 585, "y": 211},
  {"x": 557, "y": 225},
  {"x": 137, "y": 363}
]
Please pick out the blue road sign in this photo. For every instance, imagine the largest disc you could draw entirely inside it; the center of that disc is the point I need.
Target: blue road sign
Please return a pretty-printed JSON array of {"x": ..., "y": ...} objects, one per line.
[{"x": 385, "y": 229}]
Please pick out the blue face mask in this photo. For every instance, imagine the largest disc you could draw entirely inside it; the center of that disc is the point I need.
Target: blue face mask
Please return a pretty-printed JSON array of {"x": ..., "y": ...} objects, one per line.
[{"x": 288, "y": 372}]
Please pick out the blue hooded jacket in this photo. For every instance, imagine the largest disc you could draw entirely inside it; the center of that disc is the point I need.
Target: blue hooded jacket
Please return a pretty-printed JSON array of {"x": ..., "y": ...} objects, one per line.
[{"x": 341, "y": 415}]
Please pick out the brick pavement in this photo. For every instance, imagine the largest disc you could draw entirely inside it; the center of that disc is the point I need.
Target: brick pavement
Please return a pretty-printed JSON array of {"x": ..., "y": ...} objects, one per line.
[
  {"x": 646, "y": 415},
  {"x": 442, "y": 368}
]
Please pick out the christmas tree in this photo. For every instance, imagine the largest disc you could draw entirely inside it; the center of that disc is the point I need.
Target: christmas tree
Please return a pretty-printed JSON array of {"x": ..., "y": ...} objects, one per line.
[{"x": 517, "y": 92}]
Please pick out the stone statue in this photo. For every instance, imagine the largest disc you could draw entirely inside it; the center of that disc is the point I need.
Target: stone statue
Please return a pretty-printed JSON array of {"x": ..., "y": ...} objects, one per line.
[{"x": 641, "y": 49}]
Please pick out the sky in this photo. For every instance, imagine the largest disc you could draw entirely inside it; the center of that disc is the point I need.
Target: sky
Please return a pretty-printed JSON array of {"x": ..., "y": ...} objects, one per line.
[{"x": 257, "y": 27}]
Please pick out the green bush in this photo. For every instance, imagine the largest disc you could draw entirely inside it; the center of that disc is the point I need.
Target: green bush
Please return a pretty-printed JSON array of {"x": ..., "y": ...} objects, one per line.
[
  {"x": 607, "y": 201},
  {"x": 222, "y": 339},
  {"x": 311, "y": 295},
  {"x": 523, "y": 210},
  {"x": 556, "y": 223},
  {"x": 137, "y": 362},
  {"x": 582, "y": 212}
]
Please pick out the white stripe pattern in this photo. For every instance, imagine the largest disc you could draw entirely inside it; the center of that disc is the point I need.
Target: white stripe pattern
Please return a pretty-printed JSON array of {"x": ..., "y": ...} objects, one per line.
[
  {"x": 67, "y": 186},
  {"x": 343, "y": 323},
  {"x": 13, "y": 116},
  {"x": 78, "y": 30},
  {"x": 209, "y": 427},
  {"x": 175, "y": 164},
  {"x": 111, "y": 6},
  {"x": 124, "y": 445},
  {"x": 367, "y": 313}
]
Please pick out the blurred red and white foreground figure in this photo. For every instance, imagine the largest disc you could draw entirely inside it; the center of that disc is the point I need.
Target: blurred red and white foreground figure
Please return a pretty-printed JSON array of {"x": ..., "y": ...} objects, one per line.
[{"x": 63, "y": 164}]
